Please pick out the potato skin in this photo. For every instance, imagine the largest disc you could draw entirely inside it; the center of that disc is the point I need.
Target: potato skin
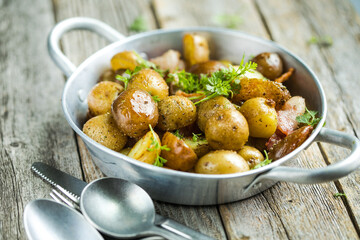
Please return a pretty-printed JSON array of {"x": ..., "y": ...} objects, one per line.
[
  {"x": 141, "y": 152},
  {"x": 103, "y": 130},
  {"x": 227, "y": 129},
  {"x": 124, "y": 60},
  {"x": 269, "y": 64},
  {"x": 181, "y": 156},
  {"x": 221, "y": 162},
  {"x": 150, "y": 81},
  {"x": 133, "y": 111},
  {"x": 196, "y": 49},
  {"x": 261, "y": 117},
  {"x": 176, "y": 112},
  {"x": 207, "y": 67},
  {"x": 101, "y": 96},
  {"x": 251, "y": 155},
  {"x": 208, "y": 108}
]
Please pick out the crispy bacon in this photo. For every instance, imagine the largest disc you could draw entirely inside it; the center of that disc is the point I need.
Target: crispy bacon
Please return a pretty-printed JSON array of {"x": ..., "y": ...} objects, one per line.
[{"x": 292, "y": 108}]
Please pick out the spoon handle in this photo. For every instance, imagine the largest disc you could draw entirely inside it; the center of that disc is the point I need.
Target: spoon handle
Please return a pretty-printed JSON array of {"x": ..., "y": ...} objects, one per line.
[
  {"x": 179, "y": 228},
  {"x": 159, "y": 231}
]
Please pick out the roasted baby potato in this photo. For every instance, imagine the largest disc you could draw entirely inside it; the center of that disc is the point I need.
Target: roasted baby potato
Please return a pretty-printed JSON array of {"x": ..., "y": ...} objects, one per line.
[
  {"x": 176, "y": 112},
  {"x": 261, "y": 116},
  {"x": 103, "y": 130},
  {"x": 254, "y": 87},
  {"x": 102, "y": 96},
  {"x": 269, "y": 64},
  {"x": 150, "y": 81},
  {"x": 251, "y": 155},
  {"x": 133, "y": 111},
  {"x": 141, "y": 150},
  {"x": 210, "y": 107},
  {"x": 124, "y": 60},
  {"x": 196, "y": 49},
  {"x": 206, "y": 68},
  {"x": 227, "y": 129},
  {"x": 181, "y": 156},
  {"x": 221, "y": 162},
  {"x": 200, "y": 147}
]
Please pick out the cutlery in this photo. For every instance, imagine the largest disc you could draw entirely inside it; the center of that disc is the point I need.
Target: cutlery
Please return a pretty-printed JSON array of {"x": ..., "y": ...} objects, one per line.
[
  {"x": 73, "y": 187},
  {"x": 46, "y": 219}
]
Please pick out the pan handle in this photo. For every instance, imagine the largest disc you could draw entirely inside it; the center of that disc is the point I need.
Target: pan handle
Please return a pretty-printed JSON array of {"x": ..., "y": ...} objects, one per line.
[
  {"x": 78, "y": 23},
  {"x": 319, "y": 175}
]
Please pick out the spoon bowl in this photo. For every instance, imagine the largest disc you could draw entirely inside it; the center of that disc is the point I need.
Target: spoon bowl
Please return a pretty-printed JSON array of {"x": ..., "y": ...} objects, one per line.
[{"x": 46, "y": 219}]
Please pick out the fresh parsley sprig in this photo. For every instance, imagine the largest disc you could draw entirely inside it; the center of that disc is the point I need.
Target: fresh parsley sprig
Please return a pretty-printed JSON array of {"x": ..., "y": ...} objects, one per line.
[
  {"x": 263, "y": 163},
  {"x": 138, "y": 25},
  {"x": 196, "y": 137},
  {"x": 125, "y": 78},
  {"x": 308, "y": 118},
  {"x": 340, "y": 195},
  {"x": 155, "y": 145},
  {"x": 188, "y": 82},
  {"x": 178, "y": 134}
]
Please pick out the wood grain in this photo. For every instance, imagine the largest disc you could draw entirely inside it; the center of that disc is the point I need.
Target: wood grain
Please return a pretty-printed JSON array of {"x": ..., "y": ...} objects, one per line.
[{"x": 32, "y": 126}]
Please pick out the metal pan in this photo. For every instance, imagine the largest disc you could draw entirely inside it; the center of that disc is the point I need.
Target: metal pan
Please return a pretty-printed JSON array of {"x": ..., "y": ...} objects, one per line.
[{"x": 182, "y": 187}]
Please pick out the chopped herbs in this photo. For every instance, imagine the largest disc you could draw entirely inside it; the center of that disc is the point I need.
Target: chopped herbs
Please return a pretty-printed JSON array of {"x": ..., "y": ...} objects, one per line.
[
  {"x": 139, "y": 25},
  {"x": 339, "y": 195},
  {"x": 308, "y": 118},
  {"x": 188, "y": 82},
  {"x": 196, "y": 137},
  {"x": 265, "y": 162},
  {"x": 228, "y": 20},
  {"x": 177, "y": 134},
  {"x": 156, "y": 98},
  {"x": 125, "y": 78},
  {"x": 155, "y": 145},
  {"x": 324, "y": 41}
]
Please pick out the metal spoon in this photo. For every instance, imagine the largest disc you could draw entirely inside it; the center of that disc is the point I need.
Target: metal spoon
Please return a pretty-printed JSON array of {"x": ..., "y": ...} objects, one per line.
[
  {"x": 121, "y": 209},
  {"x": 46, "y": 219}
]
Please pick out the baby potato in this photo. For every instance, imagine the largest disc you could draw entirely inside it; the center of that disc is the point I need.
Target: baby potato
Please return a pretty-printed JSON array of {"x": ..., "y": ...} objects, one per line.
[
  {"x": 227, "y": 129},
  {"x": 133, "y": 111},
  {"x": 181, "y": 156},
  {"x": 261, "y": 116},
  {"x": 209, "y": 108},
  {"x": 207, "y": 67},
  {"x": 150, "y": 81},
  {"x": 221, "y": 162},
  {"x": 269, "y": 64},
  {"x": 196, "y": 49},
  {"x": 101, "y": 97},
  {"x": 124, "y": 60},
  {"x": 141, "y": 152},
  {"x": 176, "y": 112},
  {"x": 251, "y": 155},
  {"x": 103, "y": 130}
]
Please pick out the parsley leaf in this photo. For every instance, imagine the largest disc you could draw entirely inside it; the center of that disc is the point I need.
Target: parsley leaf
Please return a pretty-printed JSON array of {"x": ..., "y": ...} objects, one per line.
[
  {"x": 308, "y": 118},
  {"x": 340, "y": 195},
  {"x": 156, "y": 98},
  {"x": 139, "y": 25},
  {"x": 228, "y": 20},
  {"x": 125, "y": 78},
  {"x": 324, "y": 41},
  {"x": 177, "y": 134},
  {"x": 155, "y": 145},
  {"x": 263, "y": 163},
  {"x": 188, "y": 82},
  {"x": 196, "y": 137}
]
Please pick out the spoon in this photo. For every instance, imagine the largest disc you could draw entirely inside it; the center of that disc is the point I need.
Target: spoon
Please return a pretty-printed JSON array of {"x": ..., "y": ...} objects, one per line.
[
  {"x": 121, "y": 209},
  {"x": 46, "y": 219}
]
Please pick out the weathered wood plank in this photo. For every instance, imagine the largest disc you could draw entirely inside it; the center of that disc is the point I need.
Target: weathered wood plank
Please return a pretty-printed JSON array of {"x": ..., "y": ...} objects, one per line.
[
  {"x": 79, "y": 45},
  {"x": 334, "y": 65},
  {"x": 272, "y": 220},
  {"x": 32, "y": 126}
]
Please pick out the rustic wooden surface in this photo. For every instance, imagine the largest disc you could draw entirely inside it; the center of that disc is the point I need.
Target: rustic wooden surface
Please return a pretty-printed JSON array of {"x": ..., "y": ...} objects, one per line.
[{"x": 32, "y": 126}]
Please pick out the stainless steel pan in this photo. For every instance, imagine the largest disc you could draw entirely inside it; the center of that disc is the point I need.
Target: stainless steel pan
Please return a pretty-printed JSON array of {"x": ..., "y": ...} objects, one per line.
[{"x": 182, "y": 187}]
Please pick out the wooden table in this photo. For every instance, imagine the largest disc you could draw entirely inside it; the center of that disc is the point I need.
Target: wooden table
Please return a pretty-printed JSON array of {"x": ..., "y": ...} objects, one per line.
[{"x": 33, "y": 128}]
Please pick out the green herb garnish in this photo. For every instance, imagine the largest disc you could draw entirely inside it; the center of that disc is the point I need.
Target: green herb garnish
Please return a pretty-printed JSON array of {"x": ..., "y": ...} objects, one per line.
[
  {"x": 178, "y": 135},
  {"x": 308, "y": 118},
  {"x": 263, "y": 163},
  {"x": 324, "y": 41},
  {"x": 155, "y": 145},
  {"x": 138, "y": 25},
  {"x": 156, "y": 98},
  {"x": 196, "y": 137},
  {"x": 125, "y": 79},
  {"x": 228, "y": 20},
  {"x": 188, "y": 82},
  {"x": 340, "y": 195}
]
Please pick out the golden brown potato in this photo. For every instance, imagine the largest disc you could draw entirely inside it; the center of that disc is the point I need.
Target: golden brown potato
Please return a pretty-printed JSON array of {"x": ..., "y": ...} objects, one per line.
[
  {"x": 102, "y": 96},
  {"x": 261, "y": 117},
  {"x": 221, "y": 162},
  {"x": 176, "y": 112},
  {"x": 141, "y": 152},
  {"x": 209, "y": 108},
  {"x": 207, "y": 67},
  {"x": 251, "y": 155},
  {"x": 124, "y": 60},
  {"x": 103, "y": 130},
  {"x": 196, "y": 49},
  {"x": 254, "y": 87},
  {"x": 181, "y": 156},
  {"x": 125, "y": 151},
  {"x": 269, "y": 64},
  {"x": 150, "y": 81},
  {"x": 133, "y": 111},
  {"x": 227, "y": 129}
]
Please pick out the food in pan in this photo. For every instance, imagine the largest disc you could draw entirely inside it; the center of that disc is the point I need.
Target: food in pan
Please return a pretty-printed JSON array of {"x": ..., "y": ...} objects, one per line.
[{"x": 197, "y": 114}]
